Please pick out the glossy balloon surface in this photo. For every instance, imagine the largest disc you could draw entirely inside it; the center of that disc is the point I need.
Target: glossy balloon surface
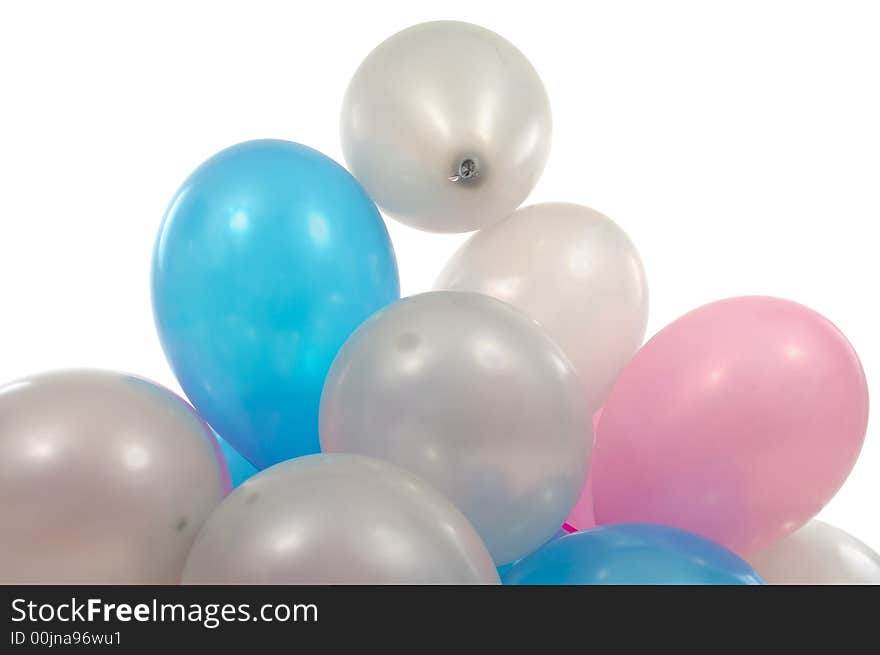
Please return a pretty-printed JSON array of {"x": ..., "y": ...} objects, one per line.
[
  {"x": 575, "y": 272},
  {"x": 269, "y": 256},
  {"x": 632, "y": 554},
  {"x": 447, "y": 125},
  {"x": 338, "y": 519},
  {"x": 818, "y": 553},
  {"x": 470, "y": 394},
  {"x": 738, "y": 421},
  {"x": 105, "y": 478}
]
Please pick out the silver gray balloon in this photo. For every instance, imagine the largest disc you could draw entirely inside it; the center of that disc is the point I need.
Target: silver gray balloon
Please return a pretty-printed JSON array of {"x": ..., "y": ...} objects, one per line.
[
  {"x": 470, "y": 394},
  {"x": 105, "y": 478},
  {"x": 337, "y": 519},
  {"x": 815, "y": 554},
  {"x": 447, "y": 125}
]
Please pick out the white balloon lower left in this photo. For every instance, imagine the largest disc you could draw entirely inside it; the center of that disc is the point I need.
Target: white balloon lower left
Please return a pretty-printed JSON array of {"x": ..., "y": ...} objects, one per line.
[{"x": 105, "y": 478}]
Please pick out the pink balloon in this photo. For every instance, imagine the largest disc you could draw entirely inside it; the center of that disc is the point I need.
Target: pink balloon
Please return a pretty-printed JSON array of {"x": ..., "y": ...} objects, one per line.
[
  {"x": 738, "y": 421},
  {"x": 581, "y": 517}
]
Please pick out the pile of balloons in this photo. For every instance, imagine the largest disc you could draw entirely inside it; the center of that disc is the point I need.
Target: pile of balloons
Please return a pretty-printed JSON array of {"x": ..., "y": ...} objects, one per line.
[{"x": 445, "y": 437}]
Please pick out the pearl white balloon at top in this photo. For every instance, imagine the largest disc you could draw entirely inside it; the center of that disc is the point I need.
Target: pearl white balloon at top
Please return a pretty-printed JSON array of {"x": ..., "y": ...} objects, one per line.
[
  {"x": 818, "y": 553},
  {"x": 337, "y": 519},
  {"x": 447, "y": 125},
  {"x": 470, "y": 394},
  {"x": 575, "y": 272},
  {"x": 104, "y": 479}
]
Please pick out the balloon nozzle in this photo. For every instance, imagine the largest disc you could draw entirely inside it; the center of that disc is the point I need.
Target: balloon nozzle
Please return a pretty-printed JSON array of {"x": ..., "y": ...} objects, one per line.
[{"x": 467, "y": 170}]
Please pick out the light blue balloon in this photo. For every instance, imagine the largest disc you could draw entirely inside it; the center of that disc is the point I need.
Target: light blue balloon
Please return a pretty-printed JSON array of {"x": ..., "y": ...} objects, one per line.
[
  {"x": 504, "y": 568},
  {"x": 269, "y": 256},
  {"x": 632, "y": 554},
  {"x": 239, "y": 468}
]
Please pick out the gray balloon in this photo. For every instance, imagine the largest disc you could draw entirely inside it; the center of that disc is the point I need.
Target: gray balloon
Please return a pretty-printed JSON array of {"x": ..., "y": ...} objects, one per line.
[
  {"x": 470, "y": 394},
  {"x": 105, "y": 478},
  {"x": 337, "y": 519},
  {"x": 447, "y": 125}
]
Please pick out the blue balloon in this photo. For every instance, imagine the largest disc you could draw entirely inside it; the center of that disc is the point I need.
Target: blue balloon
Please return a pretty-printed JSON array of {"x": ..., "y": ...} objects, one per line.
[
  {"x": 632, "y": 554},
  {"x": 239, "y": 468},
  {"x": 504, "y": 568},
  {"x": 269, "y": 256}
]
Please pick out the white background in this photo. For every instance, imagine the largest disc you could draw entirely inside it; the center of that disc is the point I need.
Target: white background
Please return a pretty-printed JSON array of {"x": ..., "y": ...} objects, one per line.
[{"x": 737, "y": 142}]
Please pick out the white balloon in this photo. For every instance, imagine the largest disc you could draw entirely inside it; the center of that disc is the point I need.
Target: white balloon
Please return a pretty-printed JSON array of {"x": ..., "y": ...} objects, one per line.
[
  {"x": 337, "y": 519},
  {"x": 816, "y": 554},
  {"x": 447, "y": 125},
  {"x": 575, "y": 272},
  {"x": 472, "y": 396},
  {"x": 105, "y": 478}
]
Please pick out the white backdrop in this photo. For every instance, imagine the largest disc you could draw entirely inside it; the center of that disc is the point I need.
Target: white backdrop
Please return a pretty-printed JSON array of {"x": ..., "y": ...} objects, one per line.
[{"x": 738, "y": 143}]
